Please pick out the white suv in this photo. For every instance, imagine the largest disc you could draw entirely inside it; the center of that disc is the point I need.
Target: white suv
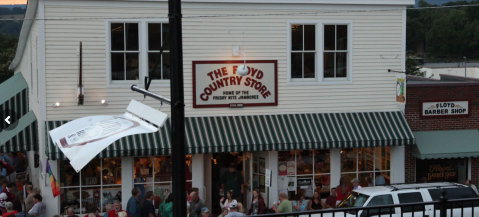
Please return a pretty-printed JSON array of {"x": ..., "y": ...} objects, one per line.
[{"x": 408, "y": 193}]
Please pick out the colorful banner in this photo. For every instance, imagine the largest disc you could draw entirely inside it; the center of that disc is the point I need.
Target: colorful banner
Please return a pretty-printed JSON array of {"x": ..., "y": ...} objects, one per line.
[
  {"x": 53, "y": 181},
  {"x": 401, "y": 88}
]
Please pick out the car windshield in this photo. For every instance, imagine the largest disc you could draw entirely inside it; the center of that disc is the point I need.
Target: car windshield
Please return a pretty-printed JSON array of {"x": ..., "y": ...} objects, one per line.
[{"x": 354, "y": 199}]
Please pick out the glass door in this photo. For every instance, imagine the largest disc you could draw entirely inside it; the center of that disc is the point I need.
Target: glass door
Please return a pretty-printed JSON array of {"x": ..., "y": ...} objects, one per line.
[{"x": 259, "y": 166}]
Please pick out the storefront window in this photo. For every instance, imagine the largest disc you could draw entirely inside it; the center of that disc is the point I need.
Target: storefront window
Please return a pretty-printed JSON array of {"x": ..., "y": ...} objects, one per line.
[
  {"x": 96, "y": 185},
  {"x": 370, "y": 165},
  {"x": 155, "y": 174},
  {"x": 442, "y": 170},
  {"x": 304, "y": 171}
]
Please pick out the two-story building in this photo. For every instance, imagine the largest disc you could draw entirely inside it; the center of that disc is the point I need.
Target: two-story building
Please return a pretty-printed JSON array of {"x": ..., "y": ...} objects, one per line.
[{"x": 318, "y": 103}]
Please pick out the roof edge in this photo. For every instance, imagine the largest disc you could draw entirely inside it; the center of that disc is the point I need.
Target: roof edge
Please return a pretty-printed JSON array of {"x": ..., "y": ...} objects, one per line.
[
  {"x": 459, "y": 77},
  {"x": 32, "y": 7}
]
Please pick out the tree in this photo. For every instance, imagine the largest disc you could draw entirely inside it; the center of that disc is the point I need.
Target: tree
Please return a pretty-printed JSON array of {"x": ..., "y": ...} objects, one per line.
[
  {"x": 8, "y": 45},
  {"x": 415, "y": 34},
  {"x": 412, "y": 66},
  {"x": 442, "y": 38}
]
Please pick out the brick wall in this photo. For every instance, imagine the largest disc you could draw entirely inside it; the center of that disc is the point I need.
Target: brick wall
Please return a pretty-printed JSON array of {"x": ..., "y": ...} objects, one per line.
[{"x": 415, "y": 95}]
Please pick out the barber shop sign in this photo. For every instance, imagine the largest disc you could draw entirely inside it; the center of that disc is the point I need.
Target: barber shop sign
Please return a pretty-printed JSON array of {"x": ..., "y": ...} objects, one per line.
[{"x": 445, "y": 108}]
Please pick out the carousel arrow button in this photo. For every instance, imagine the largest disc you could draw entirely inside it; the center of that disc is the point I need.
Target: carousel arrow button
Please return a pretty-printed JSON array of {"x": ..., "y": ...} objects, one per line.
[{"x": 6, "y": 120}]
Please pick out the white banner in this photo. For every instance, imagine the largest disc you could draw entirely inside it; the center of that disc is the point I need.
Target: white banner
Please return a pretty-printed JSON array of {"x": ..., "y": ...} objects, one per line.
[
  {"x": 216, "y": 84},
  {"x": 401, "y": 88},
  {"x": 445, "y": 108},
  {"x": 82, "y": 139}
]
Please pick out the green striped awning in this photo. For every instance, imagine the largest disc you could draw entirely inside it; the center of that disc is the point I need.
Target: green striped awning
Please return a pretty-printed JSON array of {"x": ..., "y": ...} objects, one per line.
[
  {"x": 23, "y": 137},
  {"x": 14, "y": 96},
  {"x": 265, "y": 133}
]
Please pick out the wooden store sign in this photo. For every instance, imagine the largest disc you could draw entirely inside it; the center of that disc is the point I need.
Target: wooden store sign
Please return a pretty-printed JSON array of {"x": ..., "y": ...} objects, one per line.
[
  {"x": 216, "y": 84},
  {"x": 449, "y": 108}
]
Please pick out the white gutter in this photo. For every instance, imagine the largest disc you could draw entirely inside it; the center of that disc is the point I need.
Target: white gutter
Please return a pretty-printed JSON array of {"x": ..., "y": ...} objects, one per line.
[{"x": 32, "y": 7}]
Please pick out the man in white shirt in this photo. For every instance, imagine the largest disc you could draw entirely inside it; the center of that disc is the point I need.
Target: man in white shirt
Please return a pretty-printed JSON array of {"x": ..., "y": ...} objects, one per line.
[{"x": 234, "y": 210}]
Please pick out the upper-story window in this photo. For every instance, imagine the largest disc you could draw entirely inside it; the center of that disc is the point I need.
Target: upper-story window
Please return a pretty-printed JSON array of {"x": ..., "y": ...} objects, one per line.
[
  {"x": 133, "y": 51},
  {"x": 319, "y": 52}
]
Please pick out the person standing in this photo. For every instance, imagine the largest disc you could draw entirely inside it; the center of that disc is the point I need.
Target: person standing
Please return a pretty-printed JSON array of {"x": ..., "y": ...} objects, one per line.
[
  {"x": 205, "y": 212},
  {"x": 148, "y": 209},
  {"x": 343, "y": 190},
  {"x": 468, "y": 183},
  {"x": 257, "y": 204},
  {"x": 356, "y": 185},
  {"x": 107, "y": 210},
  {"x": 285, "y": 206},
  {"x": 195, "y": 205},
  {"x": 133, "y": 207},
  {"x": 379, "y": 181},
  {"x": 116, "y": 209},
  {"x": 71, "y": 212},
  {"x": 234, "y": 210},
  {"x": 38, "y": 210},
  {"x": 9, "y": 208},
  {"x": 233, "y": 180},
  {"x": 331, "y": 200},
  {"x": 17, "y": 163},
  {"x": 6, "y": 158},
  {"x": 315, "y": 203},
  {"x": 229, "y": 198},
  {"x": 167, "y": 210}
]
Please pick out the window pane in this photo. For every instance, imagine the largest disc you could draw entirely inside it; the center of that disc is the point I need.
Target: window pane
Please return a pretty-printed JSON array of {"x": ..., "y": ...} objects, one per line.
[
  {"x": 411, "y": 198},
  {"x": 323, "y": 185},
  {"x": 117, "y": 36},
  {"x": 305, "y": 162},
  {"x": 90, "y": 197},
  {"x": 309, "y": 37},
  {"x": 91, "y": 173},
  {"x": 329, "y": 37},
  {"x": 296, "y": 37},
  {"x": 342, "y": 37},
  {"x": 110, "y": 194},
  {"x": 166, "y": 30},
  {"x": 328, "y": 65},
  {"x": 341, "y": 67},
  {"x": 117, "y": 66},
  {"x": 111, "y": 171},
  {"x": 151, "y": 63},
  {"x": 296, "y": 65},
  {"x": 163, "y": 169},
  {"x": 366, "y": 159},
  {"x": 154, "y": 36},
  {"x": 309, "y": 65},
  {"x": 68, "y": 176},
  {"x": 68, "y": 199},
  {"x": 348, "y": 160},
  {"x": 166, "y": 66},
  {"x": 131, "y": 36},
  {"x": 383, "y": 158},
  {"x": 381, "y": 200},
  {"x": 286, "y": 163},
  {"x": 365, "y": 179},
  {"x": 322, "y": 161},
  {"x": 132, "y": 69}
]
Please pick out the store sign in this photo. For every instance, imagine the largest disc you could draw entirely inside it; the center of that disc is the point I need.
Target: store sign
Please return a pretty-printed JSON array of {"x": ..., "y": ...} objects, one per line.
[
  {"x": 216, "y": 84},
  {"x": 445, "y": 108},
  {"x": 401, "y": 88},
  {"x": 438, "y": 170}
]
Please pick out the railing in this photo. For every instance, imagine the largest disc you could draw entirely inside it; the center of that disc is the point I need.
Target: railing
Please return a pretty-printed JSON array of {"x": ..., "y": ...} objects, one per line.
[{"x": 441, "y": 209}]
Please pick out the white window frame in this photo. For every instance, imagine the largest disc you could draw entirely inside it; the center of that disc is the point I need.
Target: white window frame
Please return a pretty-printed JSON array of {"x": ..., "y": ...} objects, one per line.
[
  {"x": 142, "y": 56},
  {"x": 357, "y": 172},
  {"x": 319, "y": 75}
]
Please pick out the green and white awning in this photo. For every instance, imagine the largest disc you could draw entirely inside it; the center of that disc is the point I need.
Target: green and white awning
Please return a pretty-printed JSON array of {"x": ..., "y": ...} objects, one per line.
[
  {"x": 265, "y": 133},
  {"x": 14, "y": 96}
]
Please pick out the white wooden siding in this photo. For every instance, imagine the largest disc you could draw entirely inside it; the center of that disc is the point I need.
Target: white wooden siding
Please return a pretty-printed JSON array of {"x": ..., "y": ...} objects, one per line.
[{"x": 375, "y": 34}]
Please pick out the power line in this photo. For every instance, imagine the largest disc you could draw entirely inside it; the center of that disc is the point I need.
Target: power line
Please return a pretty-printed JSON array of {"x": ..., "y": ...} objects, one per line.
[{"x": 249, "y": 15}]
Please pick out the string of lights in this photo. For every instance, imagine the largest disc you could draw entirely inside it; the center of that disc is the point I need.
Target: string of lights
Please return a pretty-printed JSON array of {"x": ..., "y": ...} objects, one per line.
[{"x": 248, "y": 15}]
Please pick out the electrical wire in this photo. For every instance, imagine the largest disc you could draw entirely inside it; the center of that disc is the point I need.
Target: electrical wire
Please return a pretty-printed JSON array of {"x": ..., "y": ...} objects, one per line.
[{"x": 249, "y": 15}]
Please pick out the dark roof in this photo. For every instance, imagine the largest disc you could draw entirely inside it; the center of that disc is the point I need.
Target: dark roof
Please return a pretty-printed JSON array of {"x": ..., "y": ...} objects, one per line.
[{"x": 446, "y": 80}]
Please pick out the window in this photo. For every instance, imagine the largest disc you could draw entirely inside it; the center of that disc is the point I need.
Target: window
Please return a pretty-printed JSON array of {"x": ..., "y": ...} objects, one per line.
[
  {"x": 379, "y": 201},
  {"x": 319, "y": 52},
  {"x": 309, "y": 166},
  {"x": 96, "y": 185},
  {"x": 335, "y": 51},
  {"x": 133, "y": 50},
  {"x": 155, "y": 174},
  {"x": 370, "y": 165},
  {"x": 453, "y": 194},
  {"x": 415, "y": 197}
]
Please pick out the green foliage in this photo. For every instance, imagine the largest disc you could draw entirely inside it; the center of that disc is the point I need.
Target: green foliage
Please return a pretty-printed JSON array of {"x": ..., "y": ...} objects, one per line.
[
  {"x": 446, "y": 33},
  {"x": 412, "y": 66},
  {"x": 8, "y": 45}
]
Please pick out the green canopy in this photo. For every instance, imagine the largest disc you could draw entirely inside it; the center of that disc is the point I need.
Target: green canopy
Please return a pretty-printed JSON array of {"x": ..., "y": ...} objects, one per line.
[{"x": 446, "y": 144}]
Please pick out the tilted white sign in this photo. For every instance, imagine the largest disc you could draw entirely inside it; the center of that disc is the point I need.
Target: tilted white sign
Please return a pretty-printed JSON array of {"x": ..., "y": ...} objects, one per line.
[
  {"x": 82, "y": 139},
  {"x": 216, "y": 84}
]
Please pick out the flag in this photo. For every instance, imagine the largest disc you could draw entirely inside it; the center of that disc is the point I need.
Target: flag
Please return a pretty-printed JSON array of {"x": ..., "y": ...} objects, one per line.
[{"x": 53, "y": 182}]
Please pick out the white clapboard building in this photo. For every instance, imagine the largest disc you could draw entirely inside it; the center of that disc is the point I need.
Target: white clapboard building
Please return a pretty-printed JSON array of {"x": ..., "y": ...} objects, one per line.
[{"x": 318, "y": 103}]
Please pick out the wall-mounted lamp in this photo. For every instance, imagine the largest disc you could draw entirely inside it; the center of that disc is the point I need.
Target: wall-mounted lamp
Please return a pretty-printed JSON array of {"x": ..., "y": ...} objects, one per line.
[
  {"x": 103, "y": 102},
  {"x": 242, "y": 70},
  {"x": 57, "y": 104}
]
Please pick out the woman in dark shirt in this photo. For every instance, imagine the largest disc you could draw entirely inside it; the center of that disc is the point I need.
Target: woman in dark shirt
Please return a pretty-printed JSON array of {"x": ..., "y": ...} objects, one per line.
[{"x": 315, "y": 203}]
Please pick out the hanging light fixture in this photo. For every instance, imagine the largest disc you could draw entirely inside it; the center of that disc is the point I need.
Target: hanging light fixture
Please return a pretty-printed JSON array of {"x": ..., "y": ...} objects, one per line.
[{"x": 243, "y": 69}]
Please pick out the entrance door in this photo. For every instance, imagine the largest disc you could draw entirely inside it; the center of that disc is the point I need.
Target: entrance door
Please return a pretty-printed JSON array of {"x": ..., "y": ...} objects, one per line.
[{"x": 258, "y": 165}]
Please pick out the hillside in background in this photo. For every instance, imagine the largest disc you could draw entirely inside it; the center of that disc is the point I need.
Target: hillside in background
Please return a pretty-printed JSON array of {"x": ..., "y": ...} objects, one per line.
[
  {"x": 8, "y": 27},
  {"x": 439, "y": 2}
]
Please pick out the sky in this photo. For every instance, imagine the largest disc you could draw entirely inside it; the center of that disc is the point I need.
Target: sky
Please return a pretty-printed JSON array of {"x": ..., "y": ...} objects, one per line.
[{"x": 9, "y": 2}]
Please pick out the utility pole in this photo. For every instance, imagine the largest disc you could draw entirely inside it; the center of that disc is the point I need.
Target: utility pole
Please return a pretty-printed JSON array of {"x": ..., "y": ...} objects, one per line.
[
  {"x": 465, "y": 68},
  {"x": 177, "y": 108}
]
